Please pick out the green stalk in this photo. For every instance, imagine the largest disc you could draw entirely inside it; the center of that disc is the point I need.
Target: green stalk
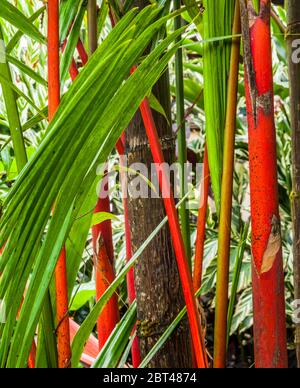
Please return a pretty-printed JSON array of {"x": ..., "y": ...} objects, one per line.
[
  {"x": 236, "y": 277},
  {"x": 217, "y": 22},
  {"x": 221, "y": 310},
  {"x": 181, "y": 138},
  {"x": 13, "y": 114}
]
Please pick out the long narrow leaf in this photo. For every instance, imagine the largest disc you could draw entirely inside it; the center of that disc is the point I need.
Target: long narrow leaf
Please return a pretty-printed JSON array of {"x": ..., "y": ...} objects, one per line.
[{"x": 19, "y": 20}]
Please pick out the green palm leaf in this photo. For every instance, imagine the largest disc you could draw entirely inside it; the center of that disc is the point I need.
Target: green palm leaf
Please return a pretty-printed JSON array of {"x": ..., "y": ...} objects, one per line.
[
  {"x": 78, "y": 139},
  {"x": 217, "y": 22}
]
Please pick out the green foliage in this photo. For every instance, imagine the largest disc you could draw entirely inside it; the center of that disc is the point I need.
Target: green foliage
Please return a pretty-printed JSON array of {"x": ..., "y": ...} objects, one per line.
[
  {"x": 63, "y": 169},
  {"x": 64, "y": 156},
  {"x": 15, "y": 17},
  {"x": 217, "y": 22}
]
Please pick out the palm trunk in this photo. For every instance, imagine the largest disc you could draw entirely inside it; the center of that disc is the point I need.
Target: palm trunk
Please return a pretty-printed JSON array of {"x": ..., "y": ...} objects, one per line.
[
  {"x": 158, "y": 290},
  {"x": 267, "y": 274},
  {"x": 293, "y": 14}
]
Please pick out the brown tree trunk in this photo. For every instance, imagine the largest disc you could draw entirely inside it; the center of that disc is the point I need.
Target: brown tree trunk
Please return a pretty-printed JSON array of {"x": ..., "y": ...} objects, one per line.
[
  {"x": 158, "y": 289},
  {"x": 293, "y": 10}
]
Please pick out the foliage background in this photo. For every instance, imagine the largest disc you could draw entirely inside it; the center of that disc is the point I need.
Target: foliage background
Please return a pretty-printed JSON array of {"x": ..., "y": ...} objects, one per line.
[{"x": 32, "y": 57}]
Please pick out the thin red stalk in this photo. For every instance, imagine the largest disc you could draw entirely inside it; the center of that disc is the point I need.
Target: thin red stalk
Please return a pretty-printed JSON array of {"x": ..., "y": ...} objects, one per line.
[
  {"x": 53, "y": 57},
  {"x": 268, "y": 286},
  {"x": 199, "y": 251},
  {"x": 179, "y": 248},
  {"x": 63, "y": 332},
  {"x": 62, "y": 312},
  {"x": 81, "y": 51},
  {"x": 120, "y": 146},
  {"x": 73, "y": 68}
]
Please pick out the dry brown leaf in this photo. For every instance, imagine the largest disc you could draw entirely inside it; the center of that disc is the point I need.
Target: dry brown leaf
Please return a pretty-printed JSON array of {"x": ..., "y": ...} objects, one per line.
[{"x": 273, "y": 247}]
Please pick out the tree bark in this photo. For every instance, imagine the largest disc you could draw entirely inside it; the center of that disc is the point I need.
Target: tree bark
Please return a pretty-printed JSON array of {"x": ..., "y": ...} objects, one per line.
[
  {"x": 293, "y": 34},
  {"x": 158, "y": 290}
]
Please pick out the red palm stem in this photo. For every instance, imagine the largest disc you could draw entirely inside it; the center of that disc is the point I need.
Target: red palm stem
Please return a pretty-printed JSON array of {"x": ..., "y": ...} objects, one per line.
[
  {"x": 109, "y": 316},
  {"x": 268, "y": 285},
  {"x": 82, "y": 52},
  {"x": 63, "y": 332}
]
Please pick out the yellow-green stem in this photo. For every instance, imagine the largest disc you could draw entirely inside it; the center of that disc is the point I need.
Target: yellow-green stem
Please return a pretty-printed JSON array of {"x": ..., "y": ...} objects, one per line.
[{"x": 226, "y": 202}]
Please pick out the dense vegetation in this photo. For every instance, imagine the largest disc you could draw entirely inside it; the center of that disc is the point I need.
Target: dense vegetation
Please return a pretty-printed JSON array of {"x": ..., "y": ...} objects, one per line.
[{"x": 104, "y": 260}]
